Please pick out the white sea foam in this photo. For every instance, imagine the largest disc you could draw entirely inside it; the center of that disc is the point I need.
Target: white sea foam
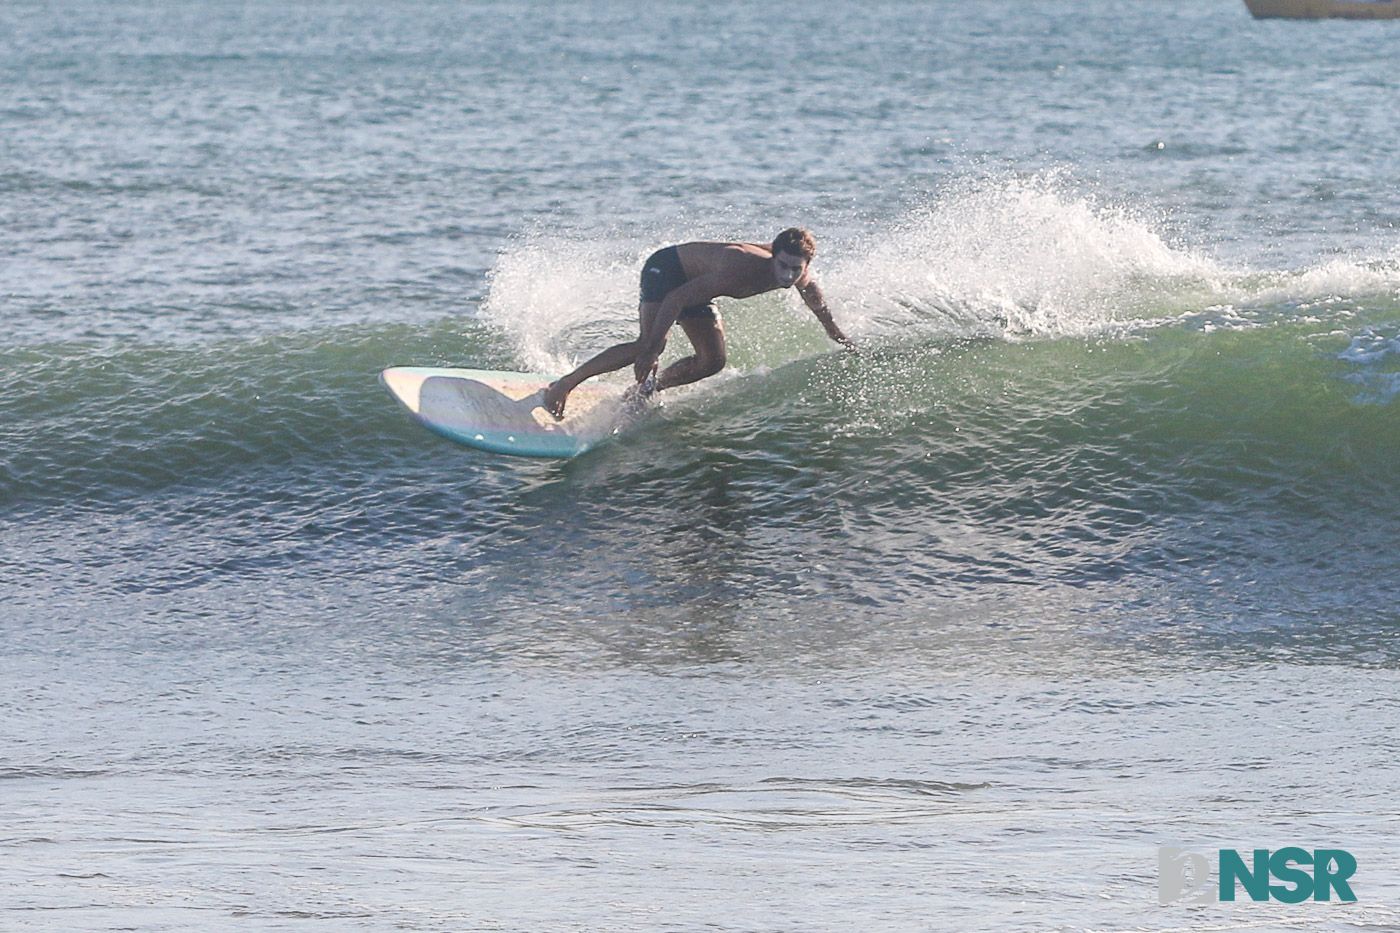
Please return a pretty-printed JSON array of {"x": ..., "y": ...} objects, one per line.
[
  {"x": 555, "y": 298},
  {"x": 1376, "y": 354},
  {"x": 1371, "y": 346},
  {"x": 1019, "y": 257},
  {"x": 1334, "y": 280},
  {"x": 1004, "y": 257}
]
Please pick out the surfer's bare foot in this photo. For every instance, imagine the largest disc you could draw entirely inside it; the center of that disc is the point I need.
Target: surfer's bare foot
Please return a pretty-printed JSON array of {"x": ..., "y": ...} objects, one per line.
[
  {"x": 637, "y": 395},
  {"x": 554, "y": 398}
]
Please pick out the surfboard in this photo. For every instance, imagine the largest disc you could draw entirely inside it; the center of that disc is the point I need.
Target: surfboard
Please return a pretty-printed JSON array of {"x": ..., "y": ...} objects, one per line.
[{"x": 500, "y": 411}]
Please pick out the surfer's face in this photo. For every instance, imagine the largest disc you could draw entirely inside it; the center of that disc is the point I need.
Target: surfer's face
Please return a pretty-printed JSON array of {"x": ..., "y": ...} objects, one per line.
[{"x": 788, "y": 268}]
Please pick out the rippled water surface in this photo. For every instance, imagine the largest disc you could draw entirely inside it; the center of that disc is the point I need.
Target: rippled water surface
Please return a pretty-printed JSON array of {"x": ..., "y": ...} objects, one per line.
[{"x": 1089, "y": 551}]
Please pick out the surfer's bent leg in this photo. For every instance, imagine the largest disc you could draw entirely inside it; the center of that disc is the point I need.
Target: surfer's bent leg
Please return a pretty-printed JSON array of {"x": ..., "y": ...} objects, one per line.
[
  {"x": 706, "y": 332},
  {"x": 661, "y": 274},
  {"x": 610, "y": 360}
]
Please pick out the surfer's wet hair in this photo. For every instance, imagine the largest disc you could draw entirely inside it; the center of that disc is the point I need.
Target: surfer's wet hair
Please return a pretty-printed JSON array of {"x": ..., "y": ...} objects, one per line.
[{"x": 795, "y": 242}]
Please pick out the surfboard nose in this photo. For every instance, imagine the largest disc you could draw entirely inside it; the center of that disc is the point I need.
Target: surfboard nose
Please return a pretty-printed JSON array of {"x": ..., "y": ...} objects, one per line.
[{"x": 406, "y": 383}]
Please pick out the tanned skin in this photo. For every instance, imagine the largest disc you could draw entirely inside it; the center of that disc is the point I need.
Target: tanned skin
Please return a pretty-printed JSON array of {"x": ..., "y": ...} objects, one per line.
[{"x": 713, "y": 270}]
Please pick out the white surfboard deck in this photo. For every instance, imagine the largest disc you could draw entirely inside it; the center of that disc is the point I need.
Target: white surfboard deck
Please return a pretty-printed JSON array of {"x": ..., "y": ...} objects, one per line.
[{"x": 500, "y": 411}]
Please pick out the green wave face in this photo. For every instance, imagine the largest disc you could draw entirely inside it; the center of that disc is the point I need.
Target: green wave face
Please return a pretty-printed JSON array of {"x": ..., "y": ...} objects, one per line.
[{"x": 1224, "y": 453}]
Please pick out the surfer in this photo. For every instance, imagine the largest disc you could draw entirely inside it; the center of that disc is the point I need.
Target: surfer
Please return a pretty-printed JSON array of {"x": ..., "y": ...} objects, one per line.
[{"x": 679, "y": 286}]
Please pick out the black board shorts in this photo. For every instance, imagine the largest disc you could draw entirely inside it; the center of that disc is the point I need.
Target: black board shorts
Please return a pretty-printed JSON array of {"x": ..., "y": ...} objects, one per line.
[{"x": 663, "y": 274}]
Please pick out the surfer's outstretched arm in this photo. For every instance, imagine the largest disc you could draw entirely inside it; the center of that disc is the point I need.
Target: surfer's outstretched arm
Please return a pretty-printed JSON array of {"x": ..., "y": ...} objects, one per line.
[{"x": 813, "y": 298}]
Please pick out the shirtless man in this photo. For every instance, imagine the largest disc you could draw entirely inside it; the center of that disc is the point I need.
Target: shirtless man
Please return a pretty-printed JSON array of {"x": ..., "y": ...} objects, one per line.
[{"x": 679, "y": 284}]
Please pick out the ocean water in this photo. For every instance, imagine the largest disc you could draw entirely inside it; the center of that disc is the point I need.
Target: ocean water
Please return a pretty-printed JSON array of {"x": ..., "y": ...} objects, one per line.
[{"x": 1090, "y": 551}]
